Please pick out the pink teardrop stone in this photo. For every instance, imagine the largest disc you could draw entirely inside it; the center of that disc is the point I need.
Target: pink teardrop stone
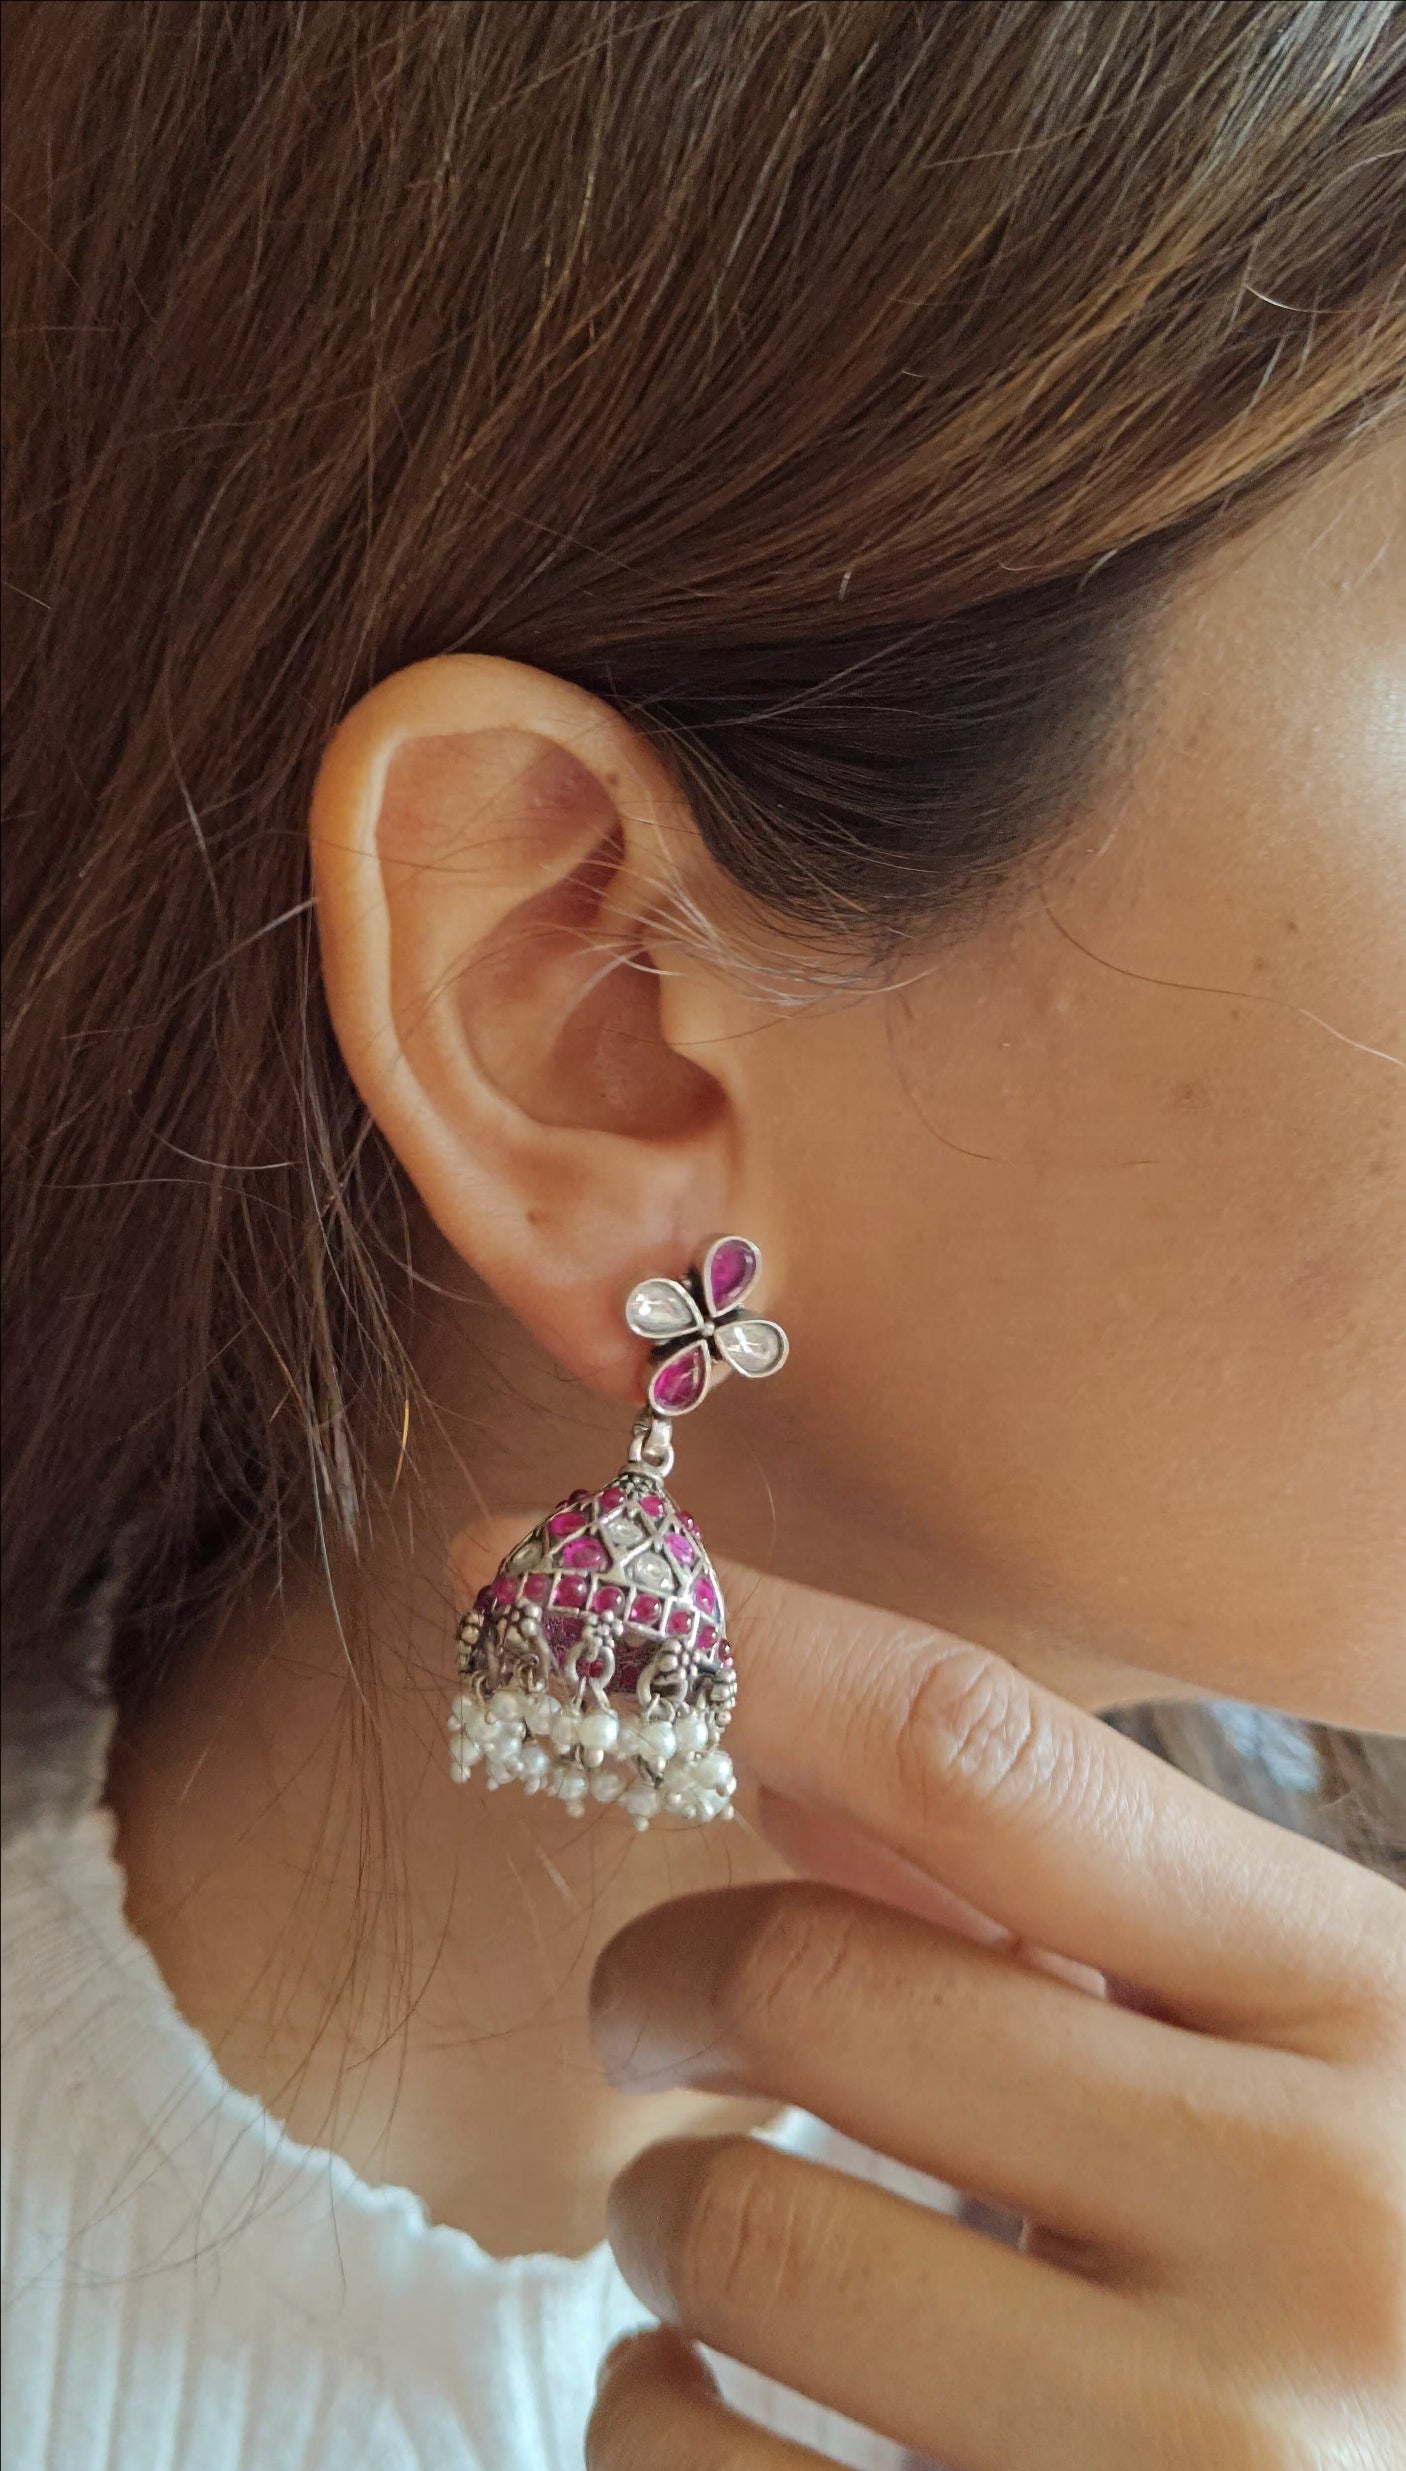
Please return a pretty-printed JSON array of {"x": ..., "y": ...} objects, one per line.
[
  {"x": 682, "y": 1546},
  {"x": 730, "y": 1273},
  {"x": 680, "y": 1382},
  {"x": 705, "y": 1595}
]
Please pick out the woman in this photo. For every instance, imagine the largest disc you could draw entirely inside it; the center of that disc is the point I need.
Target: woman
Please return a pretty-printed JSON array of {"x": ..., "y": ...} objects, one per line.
[{"x": 631, "y": 621}]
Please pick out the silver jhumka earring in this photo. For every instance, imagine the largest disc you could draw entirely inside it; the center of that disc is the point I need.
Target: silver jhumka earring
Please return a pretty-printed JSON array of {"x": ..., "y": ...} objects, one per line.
[{"x": 596, "y": 1666}]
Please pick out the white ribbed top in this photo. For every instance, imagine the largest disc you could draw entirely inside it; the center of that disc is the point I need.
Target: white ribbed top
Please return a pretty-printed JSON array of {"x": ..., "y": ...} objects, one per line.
[{"x": 187, "y": 2289}]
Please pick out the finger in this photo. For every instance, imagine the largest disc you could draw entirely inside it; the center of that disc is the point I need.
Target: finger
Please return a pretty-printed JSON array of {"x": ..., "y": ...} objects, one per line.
[
  {"x": 820, "y": 1846},
  {"x": 883, "y": 2311},
  {"x": 949, "y": 2057},
  {"x": 657, "y": 2403},
  {"x": 1053, "y": 1824}
]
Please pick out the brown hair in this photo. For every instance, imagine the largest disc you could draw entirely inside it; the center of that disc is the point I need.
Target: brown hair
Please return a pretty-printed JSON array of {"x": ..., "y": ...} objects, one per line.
[{"x": 829, "y": 383}]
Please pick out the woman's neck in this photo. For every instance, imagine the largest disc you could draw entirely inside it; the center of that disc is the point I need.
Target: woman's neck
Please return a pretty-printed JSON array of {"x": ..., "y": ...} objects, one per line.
[{"x": 395, "y": 1965}]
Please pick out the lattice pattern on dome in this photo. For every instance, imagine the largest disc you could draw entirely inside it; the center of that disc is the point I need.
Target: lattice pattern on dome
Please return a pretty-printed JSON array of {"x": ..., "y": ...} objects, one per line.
[{"x": 614, "y": 1595}]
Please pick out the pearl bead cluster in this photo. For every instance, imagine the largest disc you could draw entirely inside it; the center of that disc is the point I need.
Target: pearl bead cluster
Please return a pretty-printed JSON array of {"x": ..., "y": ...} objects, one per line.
[{"x": 652, "y": 1763}]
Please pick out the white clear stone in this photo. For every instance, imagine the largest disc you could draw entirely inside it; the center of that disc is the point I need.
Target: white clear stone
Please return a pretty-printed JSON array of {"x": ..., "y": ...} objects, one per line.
[
  {"x": 607, "y": 1784},
  {"x": 660, "y": 1308},
  {"x": 599, "y": 1730},
  {"x": 651, "y": 1570},
  {"x": 691, "y": 1732},
  {"x": 752, "y": 1347},
  {"x": 621, "y": 1531}
]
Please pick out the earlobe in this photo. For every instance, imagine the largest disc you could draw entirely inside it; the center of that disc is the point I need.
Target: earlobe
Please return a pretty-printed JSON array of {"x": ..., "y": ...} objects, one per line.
[{"x": 485, "y": 844}]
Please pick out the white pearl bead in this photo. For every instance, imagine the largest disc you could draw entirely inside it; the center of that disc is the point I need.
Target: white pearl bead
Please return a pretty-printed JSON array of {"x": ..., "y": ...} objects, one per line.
[
  {"x": 707, "y": 1805},
  {"x": 505, "y": 1707},
  {"x": 677, "y": 1799},
  {"x": 607, "y": 1784},
  {"x": 691, "y": 1733},
  {"x": 657, "y": 1742},
  {"x": 599, "y": 1730},
  {"x": 463, "y": 1756},
  {"x": 542, "y": 1712},
  {"x": 534, "y": 1760},
  {"x": 571, "y": 1786},
  {"x": 714, "y": 1768},
  {"x": 641, "y": 1801}
]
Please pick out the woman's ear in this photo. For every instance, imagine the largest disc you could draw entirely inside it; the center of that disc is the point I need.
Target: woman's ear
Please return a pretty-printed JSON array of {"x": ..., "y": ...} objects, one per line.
[{"x": 489, "y": 853}]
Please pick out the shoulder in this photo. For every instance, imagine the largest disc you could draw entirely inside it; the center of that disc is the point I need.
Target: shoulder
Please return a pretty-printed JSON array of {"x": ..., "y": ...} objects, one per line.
[{"x": 183, "y": 2283}]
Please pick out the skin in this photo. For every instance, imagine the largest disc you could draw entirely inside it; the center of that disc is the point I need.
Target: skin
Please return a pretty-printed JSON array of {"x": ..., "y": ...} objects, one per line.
[{"x": 1087, "y": 1232}]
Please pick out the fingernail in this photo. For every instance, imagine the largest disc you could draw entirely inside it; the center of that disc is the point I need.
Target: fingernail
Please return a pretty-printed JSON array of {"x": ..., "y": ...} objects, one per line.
[
  {"x": 639, "y": 2037},
  {"x": 619, "y": 2352},
  {"x": 662, "y": 2351},
  {"x": 646, "y": 2211},
  {"x": 653, "y": 2017},
  {"x": 621, "y": 2024}
]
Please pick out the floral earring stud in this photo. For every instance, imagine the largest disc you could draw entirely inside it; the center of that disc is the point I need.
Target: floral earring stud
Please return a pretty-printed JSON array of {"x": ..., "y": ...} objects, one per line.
[
  {"x": 698, "y": 1328},
  {"x": 596, "y": 1666}
]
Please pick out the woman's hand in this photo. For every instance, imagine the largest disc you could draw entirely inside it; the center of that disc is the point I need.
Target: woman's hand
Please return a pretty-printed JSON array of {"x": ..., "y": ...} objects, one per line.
[{"x": 1214, "y": 2276}]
